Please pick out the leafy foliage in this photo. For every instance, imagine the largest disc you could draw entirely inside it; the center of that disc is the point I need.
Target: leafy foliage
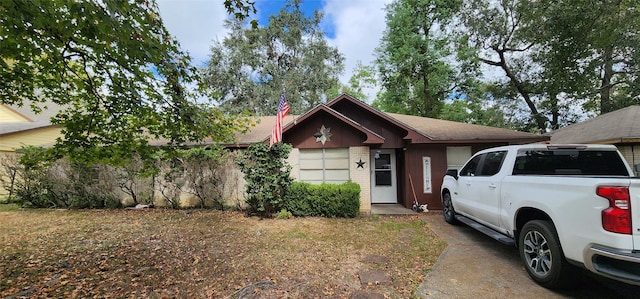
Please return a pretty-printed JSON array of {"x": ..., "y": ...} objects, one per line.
[
  {"x": 326, "y": 200},
  {"x": 591, "y": 50},
  {"x": 114, "y": 69},
  {"x": 416, "y": 77},
  {"x": 558, "y": 57},
  {"x": 520, "y": 64},
  {"x": 31, "y": 184},
  {"x": 204, "y": 172},
  {"x": 199, "y": 172},
  {"x": 135, "y": 179},
  {"x": 267, "y": 176},
  {"x": 363, "y": 77},
  {"x": 63, "y": 184},
  {"x": 241, "y": 9},
  {"x": 249, "y": 69}
]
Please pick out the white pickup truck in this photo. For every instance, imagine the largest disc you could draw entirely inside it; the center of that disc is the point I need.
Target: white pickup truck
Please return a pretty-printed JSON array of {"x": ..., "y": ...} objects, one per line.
[{"x": 562, "y": 206}]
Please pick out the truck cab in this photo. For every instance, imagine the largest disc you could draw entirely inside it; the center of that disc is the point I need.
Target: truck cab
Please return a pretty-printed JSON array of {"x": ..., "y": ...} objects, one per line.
[{"x": 563, "y": 206}]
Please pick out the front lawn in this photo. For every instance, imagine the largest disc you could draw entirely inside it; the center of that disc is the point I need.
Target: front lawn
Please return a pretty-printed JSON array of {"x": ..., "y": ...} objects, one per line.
[{"x": 159, "y": 253}]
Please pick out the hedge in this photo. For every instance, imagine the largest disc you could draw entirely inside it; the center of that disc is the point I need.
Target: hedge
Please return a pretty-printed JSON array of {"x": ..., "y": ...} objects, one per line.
[{"x": 325, "y": 200}]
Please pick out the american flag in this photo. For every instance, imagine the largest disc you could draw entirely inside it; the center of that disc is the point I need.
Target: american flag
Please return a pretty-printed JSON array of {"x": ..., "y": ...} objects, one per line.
[{"x": 283, "y": 110}]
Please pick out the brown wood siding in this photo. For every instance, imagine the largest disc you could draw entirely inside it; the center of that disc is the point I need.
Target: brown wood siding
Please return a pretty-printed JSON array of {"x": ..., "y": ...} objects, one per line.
[
  {"x": 393, "y": 136},
  {"x": 413, "y": 165},
  {"x": 342, "y": 135}
]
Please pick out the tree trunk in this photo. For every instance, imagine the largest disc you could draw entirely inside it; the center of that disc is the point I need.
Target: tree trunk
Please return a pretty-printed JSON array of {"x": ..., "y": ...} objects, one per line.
[
  {"x": 541, "y": 121},
  {"x": 606, "y": 104},
  {"x": 555, "y": 113}
]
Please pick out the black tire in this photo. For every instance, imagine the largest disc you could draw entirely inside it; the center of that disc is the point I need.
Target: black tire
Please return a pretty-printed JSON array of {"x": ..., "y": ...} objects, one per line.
[
  {"x": 447, "y": 209},
  {"x": 542, "y": 255}
]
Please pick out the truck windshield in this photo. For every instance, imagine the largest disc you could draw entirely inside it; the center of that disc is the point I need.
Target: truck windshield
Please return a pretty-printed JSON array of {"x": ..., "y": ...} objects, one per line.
[{"x": 569, "y": 162}]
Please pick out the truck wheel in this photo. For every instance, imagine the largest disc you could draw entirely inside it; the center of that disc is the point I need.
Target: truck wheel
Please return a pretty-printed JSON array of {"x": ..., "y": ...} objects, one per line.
[
  {"x": 447, "y": 209},
  {"x": 542, "y": 255}
]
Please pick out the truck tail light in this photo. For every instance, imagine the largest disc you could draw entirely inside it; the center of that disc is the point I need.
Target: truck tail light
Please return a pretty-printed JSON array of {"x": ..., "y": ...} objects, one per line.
[{"x": 617, "y": 217}]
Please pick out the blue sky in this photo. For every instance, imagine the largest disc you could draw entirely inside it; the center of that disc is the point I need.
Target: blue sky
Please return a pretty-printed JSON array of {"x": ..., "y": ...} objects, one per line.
[
  {"x": 272, "y": 7},
  {"x": 354, "y": 27}
]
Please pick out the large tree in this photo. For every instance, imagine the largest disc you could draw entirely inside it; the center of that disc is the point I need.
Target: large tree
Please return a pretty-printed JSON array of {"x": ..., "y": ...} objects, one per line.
[
  {"x": 558, "y": 58},
  {"x": 591, "y": 49},
  {"x": 363, "y": 79},
  {"x": 497, "y": 29},
  {"x": 113, "y": 68},
  {"x": 249, "y": 69},
  {"x": 412, "y": 57}
]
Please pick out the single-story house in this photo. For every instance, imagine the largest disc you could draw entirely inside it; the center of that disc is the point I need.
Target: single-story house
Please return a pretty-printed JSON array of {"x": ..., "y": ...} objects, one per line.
[
  {"x": 396, "y": 159},
  {"x": 620, "y": 128}
]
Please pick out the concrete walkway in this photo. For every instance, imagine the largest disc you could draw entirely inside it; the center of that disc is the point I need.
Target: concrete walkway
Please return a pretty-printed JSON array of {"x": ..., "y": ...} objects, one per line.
[
  {"x": 390, "y": 209},
  {"x": 476, "y": 266}
]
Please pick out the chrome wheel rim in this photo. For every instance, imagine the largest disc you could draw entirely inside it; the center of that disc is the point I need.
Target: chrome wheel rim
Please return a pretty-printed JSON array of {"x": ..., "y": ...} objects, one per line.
[
  {"x": 446, "y": 207},
  {"x": 537, "y": 253}
]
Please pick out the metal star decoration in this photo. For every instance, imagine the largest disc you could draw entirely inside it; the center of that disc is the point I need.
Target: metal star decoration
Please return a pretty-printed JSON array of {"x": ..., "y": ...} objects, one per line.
[
  {"x": 323, "y": 135},
  {"x": 360, "y": 164}
]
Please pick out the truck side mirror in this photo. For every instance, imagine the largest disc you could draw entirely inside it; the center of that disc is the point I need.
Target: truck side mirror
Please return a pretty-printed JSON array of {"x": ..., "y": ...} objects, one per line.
[
  {"x": 637, "y": 167},
  {"x": 453, "y": 173}
]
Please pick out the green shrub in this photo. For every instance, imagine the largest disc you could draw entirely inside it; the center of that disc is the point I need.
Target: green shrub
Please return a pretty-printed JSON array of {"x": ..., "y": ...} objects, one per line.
[
  {"x": 326, "y": 200},
  {"x": 32, "y": 182},
  {"x": 284, "y": 214},
  {"x": 267, "y": 176}
]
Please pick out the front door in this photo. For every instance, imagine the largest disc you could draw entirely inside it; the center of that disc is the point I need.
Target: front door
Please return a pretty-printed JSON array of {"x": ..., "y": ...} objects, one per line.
[{"x": 383, "y": 177}]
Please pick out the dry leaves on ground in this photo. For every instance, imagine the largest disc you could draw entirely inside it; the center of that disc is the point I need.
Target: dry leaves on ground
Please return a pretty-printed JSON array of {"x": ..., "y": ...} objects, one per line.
[{"x": 206, "y": 254}]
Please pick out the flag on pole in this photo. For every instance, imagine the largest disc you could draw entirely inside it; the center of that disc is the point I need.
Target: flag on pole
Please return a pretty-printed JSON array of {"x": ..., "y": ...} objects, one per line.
[{"x": 283, "y": 110}]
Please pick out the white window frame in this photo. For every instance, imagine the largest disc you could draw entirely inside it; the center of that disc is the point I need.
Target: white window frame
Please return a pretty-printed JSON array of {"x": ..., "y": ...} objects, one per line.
[
  {"x": 426, "y": 175},
  {"x": 324, "y": 167}
]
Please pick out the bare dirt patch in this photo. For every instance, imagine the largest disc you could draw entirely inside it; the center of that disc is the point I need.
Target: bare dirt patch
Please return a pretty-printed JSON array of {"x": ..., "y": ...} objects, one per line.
[{"x": 207, "y": 254}]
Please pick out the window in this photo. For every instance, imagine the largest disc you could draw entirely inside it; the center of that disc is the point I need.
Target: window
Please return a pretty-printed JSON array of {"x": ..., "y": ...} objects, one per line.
[
  {"x": 569, "y": 162},
  {"x": 470, "y": 168},
  {"x": 457, "y": 155},
  {"x": 486, "y": 164},
  {"x": 383, "y": 170},
  {"x": 492, "y": 163},
  {"x": 325, "y": 165}
]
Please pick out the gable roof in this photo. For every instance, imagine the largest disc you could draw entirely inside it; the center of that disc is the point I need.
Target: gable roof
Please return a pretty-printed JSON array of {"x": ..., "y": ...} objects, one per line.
[
  {"x": 419, "y": 129},
  {"x": 620, "y": 126},
  {"x": 31, "y": 120}
]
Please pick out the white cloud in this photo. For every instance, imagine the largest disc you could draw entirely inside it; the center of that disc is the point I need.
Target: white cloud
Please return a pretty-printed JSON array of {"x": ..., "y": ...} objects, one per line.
[
  {"x": 195, "y": 23},
  {"x": 358, "y": 26}
]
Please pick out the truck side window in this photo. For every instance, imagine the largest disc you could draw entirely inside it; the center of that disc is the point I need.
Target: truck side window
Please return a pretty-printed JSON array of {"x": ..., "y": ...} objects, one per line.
[
  {"x": 492, "y": 163},
  {"x": 569, "y": 162},
  {"x": 471, "y": 167}
]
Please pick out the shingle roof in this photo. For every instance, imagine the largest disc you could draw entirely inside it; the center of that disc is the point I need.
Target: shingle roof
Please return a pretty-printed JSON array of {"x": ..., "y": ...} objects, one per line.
[
  {"x": 434, "y": 129},
  {"x": 438, "y": 129},
  {"x": 263, "y": 129},
  {"x": 36, "y": 120},
  {"x": 8, "y": 128},
  {"x": 614, "y": 127}
]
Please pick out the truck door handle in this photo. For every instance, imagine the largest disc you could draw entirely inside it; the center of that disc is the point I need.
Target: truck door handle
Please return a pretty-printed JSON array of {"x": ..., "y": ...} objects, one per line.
[{"x": 492, "y": 186}]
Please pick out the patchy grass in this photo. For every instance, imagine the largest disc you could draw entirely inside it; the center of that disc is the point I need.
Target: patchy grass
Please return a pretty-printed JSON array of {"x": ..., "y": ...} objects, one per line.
[{"x": 160, "y": 253}]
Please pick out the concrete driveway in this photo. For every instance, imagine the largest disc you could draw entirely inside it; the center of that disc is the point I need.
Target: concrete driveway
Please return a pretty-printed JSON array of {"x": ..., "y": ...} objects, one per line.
[{"x": 476, "y": 266}]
